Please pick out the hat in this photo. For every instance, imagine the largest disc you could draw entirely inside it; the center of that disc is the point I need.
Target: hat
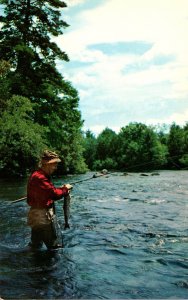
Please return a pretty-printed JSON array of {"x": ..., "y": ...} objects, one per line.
[{"x": 49, "y": 157}]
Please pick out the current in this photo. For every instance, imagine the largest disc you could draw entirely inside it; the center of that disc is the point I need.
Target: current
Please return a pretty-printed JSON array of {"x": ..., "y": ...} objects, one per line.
[{"x": 128, "y": 239}]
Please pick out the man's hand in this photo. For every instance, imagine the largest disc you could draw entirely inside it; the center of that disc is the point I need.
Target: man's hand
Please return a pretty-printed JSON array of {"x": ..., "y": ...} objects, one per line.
[{"x": 68, "y": 186}]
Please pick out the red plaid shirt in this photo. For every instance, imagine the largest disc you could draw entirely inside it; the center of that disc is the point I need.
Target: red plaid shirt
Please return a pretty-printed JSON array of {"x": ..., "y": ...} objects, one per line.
[{"x": 41, "y": 192}]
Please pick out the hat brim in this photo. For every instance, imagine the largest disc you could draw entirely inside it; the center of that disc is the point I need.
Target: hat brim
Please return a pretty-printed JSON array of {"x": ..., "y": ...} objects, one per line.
[{"x": 52, "y": 161}]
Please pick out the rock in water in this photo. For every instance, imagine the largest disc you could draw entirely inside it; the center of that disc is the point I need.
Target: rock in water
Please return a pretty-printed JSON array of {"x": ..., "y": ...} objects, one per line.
[{"x": 104, "y": 171}]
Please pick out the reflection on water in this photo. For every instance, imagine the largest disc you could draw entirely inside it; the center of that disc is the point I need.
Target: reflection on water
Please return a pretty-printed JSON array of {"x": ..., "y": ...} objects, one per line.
[{"x": 128, "y": 239}]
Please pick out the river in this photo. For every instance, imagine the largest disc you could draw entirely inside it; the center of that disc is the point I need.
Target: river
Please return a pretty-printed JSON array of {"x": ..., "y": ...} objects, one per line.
[{"x": 128, "y": 240}]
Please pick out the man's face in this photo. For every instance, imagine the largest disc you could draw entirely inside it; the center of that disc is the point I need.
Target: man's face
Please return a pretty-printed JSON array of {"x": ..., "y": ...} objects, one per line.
[{"x": 51, "y": 168}]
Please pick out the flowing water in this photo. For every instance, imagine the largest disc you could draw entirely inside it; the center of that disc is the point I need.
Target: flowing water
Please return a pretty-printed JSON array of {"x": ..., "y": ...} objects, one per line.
[{"x": 128, "y": 239}]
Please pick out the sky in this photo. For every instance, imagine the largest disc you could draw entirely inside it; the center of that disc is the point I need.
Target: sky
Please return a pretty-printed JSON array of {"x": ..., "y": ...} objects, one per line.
[{"x": 128, "y": 61}]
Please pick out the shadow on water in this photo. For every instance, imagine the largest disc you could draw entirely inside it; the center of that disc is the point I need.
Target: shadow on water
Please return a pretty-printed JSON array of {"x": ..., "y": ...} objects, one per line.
[
  {"x": 128, "y": 239},
  {"x": 36, "y": 275}
]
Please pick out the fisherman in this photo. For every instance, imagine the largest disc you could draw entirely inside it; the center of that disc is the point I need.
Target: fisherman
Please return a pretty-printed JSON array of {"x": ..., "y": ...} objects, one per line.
[{"x": 41, "y": 194}]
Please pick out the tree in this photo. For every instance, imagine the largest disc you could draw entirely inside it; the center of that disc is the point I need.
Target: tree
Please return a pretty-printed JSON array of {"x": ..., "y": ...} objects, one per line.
[
  {"x": 4, "y": 84},
  {"x": 26, "y": 42},
  {"x": 22, "y": 140},
  {"x": 175, "y": 145},
  {"x": 185, "y": 131},
  {"x": 162, "y": 132},
  {"x": 106, "y": 144},
  {"x": 139, "y": 148},
  {"x": 90, "y": 144},
  {"x": 106, "y": 150},
  {"x": 175, "y": 138},
  {"x": 28, "y": 26}
]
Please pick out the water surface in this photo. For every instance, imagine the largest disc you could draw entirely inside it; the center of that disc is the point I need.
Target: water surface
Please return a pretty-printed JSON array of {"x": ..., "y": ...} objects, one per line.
[{"x": 128, "y": 239}]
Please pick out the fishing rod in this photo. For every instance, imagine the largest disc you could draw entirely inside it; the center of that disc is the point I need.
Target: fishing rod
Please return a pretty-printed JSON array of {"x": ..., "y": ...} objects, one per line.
[
  {"x": 105, "y": 172},
  {"x": 71, "y": 183}
]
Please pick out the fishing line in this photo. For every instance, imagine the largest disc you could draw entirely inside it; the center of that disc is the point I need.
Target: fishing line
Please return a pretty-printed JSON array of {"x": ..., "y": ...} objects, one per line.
[
  {"x": 111, "y": 173},
  {"x": 152, "y": 161}
]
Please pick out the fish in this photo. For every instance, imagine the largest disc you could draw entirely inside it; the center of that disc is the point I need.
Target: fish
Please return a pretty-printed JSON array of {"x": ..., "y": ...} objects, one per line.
[{"x": 66, "y": 210}]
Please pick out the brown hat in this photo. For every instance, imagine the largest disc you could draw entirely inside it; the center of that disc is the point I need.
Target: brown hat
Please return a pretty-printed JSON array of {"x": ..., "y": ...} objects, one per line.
[{"x": 49, "y": 157}]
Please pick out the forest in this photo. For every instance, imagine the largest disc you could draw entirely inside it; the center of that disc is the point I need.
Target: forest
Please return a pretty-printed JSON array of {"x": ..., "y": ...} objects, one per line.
[
  {"x": 138, "y": 147},
  {"x": 39, "y": 109}
]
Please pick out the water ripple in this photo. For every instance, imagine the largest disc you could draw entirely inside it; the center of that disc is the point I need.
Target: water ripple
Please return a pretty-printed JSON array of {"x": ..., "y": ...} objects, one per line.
[{"x": 128, "y": 240}]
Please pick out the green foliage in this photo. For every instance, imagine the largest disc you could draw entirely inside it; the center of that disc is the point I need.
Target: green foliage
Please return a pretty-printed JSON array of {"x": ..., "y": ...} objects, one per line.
[
  {"x": 185, "y": 133},
  {"x": 106, "y": 144},
  {"x": 139, "y": 148},
  {"x": 108, "y": 163},
  {"x": 100, "y": 152},
  {"x": 176, "y": 145},
  {"x": 89, "y": 144},
  {"x": 26, "y": 42},
  {"x": 4, "y": 84},
  {"x": 184, "y": 160},
  {"x": 64, "y": 131},
  {"x": 21, "y": 140},
  {"x": 162, "y": 131},
  {"x": 136, "y": 147}
]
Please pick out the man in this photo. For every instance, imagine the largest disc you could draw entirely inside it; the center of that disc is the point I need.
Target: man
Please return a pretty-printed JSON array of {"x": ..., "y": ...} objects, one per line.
[{"x": 41, "y": 194}]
